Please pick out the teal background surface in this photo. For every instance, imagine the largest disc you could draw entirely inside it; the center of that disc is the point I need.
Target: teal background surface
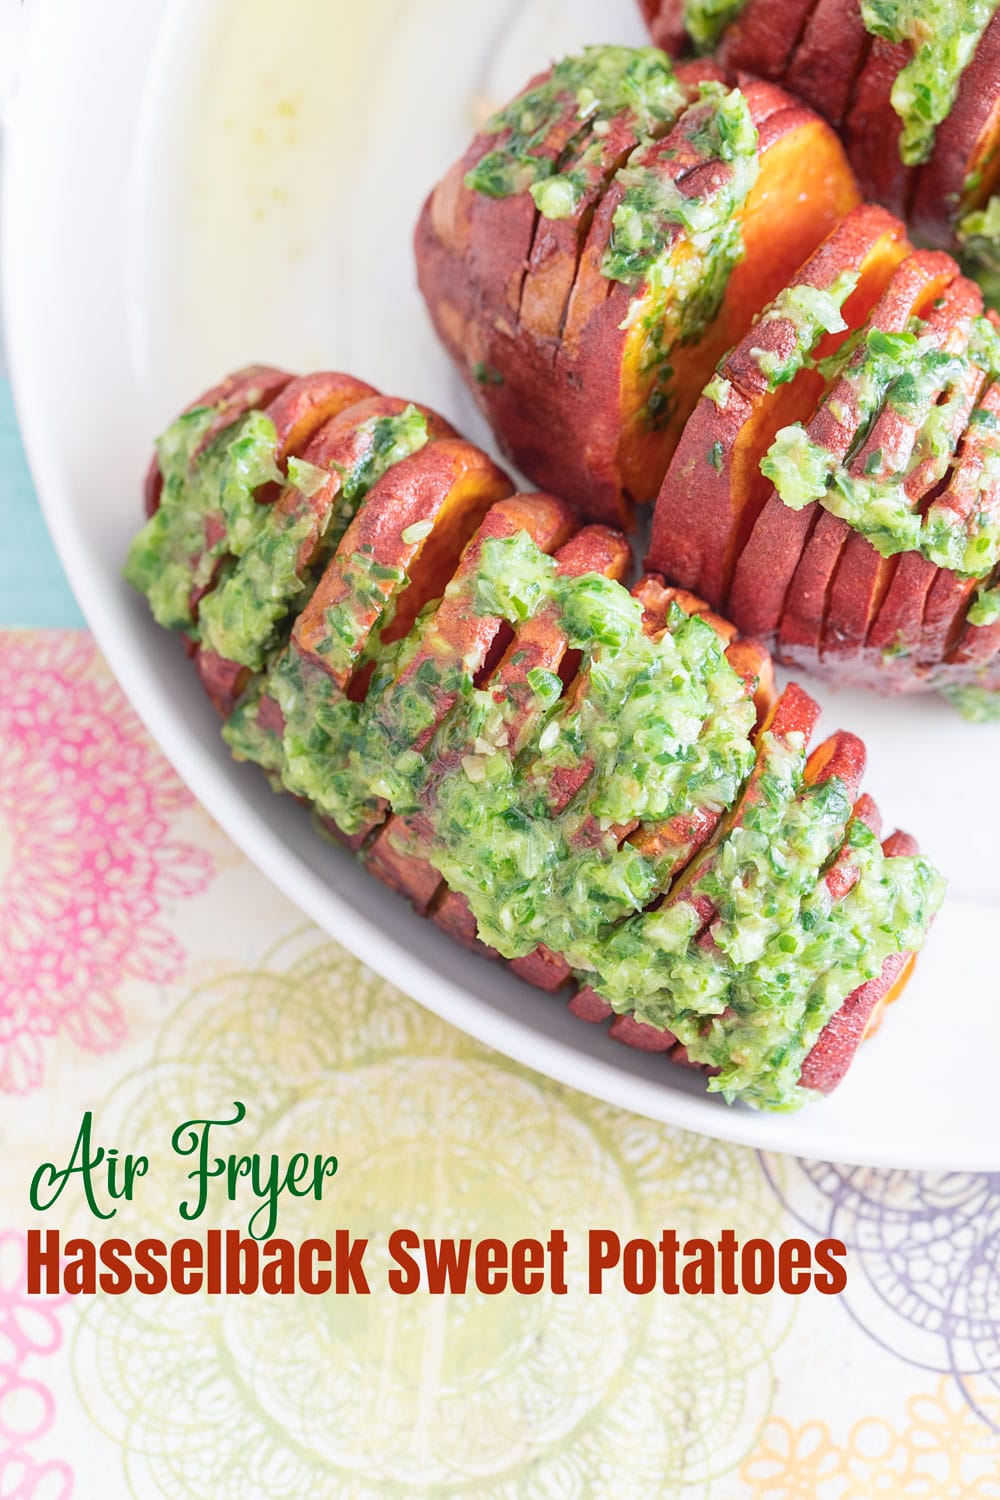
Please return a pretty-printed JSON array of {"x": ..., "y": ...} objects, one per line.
[{"x": 33, "y": 587}]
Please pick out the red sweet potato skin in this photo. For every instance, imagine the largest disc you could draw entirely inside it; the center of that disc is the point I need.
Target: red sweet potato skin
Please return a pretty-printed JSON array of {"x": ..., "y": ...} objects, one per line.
[
  {"x": 823, "y": 68},
  {"x": 763, "y": 36}
]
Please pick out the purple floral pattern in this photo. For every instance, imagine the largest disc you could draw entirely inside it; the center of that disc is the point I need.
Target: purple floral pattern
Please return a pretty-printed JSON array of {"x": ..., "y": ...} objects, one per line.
[{"x": 924, "y": 1260}]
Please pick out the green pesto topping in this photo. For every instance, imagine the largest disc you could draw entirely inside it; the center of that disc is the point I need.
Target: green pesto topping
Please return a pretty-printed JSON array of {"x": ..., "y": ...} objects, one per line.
[
  {"x": 246, "y": 736},
  {"x": 672, "y": 710},
  {"x": 348, "y": 622},
  {"x": 593, "y": 87},
  {"x": 240, "y": 619},
  {"x": 662, "y": 728},
  {"x": 977, "y": 705},
  {"x": 812, "y": 313},
  {"x": 981, "y": 224},
  {"x": 979, "y": 235},
  {"x": 718, "y": 391},
  {"x": 207, "y": 509},
  {"x": 781, "y": 956},
  {"x": 943, "y": 35},
  {"x": 653, "y": 208},
  {"x": 706, "y": 20},
  {"x": 924, "y": 384},
  {"x": 780, "y": 1003},
  {"x": 985, "y": 608}
]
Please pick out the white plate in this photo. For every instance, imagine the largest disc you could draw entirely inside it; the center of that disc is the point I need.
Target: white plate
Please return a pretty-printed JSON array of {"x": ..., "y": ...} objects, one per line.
[{"x": 191, "y": 186}]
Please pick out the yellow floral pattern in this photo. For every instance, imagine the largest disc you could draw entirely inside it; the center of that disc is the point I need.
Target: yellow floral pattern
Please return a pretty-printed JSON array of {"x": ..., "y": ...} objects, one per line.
[{"x": 941, "y": 1451}]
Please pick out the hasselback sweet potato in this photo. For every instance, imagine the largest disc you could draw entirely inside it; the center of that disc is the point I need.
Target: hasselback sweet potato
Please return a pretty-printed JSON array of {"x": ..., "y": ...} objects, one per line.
[
  {"x": 646, "y": 264},
  {"x": 556, "y": 771}
]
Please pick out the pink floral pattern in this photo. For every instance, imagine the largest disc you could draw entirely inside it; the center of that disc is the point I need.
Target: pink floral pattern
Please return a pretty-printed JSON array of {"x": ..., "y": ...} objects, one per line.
[
  {"x": 29, "y": 1328},
  {"x": 88, "y": 860}
]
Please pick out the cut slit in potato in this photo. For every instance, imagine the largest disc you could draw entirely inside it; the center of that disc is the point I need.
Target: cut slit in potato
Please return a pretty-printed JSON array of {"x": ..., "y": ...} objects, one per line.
[
  {"x": 896, "y": 444},
  {"x": 714, "y": 491},
  {"x": 783, "y": 573},
  {"x": 828, "y": 58},
  {"x": 763, "y": 36}
]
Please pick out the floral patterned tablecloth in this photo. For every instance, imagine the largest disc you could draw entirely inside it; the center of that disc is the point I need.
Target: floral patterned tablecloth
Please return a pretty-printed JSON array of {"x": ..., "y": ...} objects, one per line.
[{"x": 148, "y": 972}]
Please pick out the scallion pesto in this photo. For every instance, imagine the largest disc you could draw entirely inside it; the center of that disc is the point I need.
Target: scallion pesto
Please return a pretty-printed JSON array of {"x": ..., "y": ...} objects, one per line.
[
  {"x": 923, "y": 383},
  {"x": 240, "y": 618},
  {"x": 207, "y": 510},
  {"x": 591, "y": 87},
  {"x": 978, "y": 705},
  {"x": 943, "y": 36},
  {"x": 706, "y": 20}
]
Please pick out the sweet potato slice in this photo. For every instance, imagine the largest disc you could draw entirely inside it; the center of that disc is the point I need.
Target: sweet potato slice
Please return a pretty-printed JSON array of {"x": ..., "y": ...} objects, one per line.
[
  {"x": 533, "y": 395},
  {"x": 413, "y": 527},
  {"x": 834, "y": 1050},
  {"x": 491, "y": 234},
  {"x": 451, "y": 912},
  {"x": 832, "y": 49},
  {"x": 665, "y": 20},
  {"x": 899, "y": 635},
  {"x": 791, "y": 720},
  {"x": 297, "y": 411},
  {"x": 396, "y": 556},
  {"x": 666, "y": 845},
  {"x": 839, "y": 879},
  {"x": 245, "y": 390},
  {"x": 973, "y": 491},
  {"x": 303, "y": 527},
  {"x": 764, "y": 35},
  {"x": 873, "y": 130},
  {"x": 714, "y": 490},
  {"x": 629, "y": 366},
  {"x": 901, "y": 442},
  {"x": 917, "y": 283},
  {"x": 691, "y": 904},
  {"x": 964, "y": 166}
]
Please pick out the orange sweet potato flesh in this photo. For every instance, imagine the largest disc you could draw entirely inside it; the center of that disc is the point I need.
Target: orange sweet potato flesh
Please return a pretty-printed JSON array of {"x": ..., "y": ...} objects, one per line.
[
  {"x": 806, "y": 186},
  {"x": 713, "y": 490}
]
